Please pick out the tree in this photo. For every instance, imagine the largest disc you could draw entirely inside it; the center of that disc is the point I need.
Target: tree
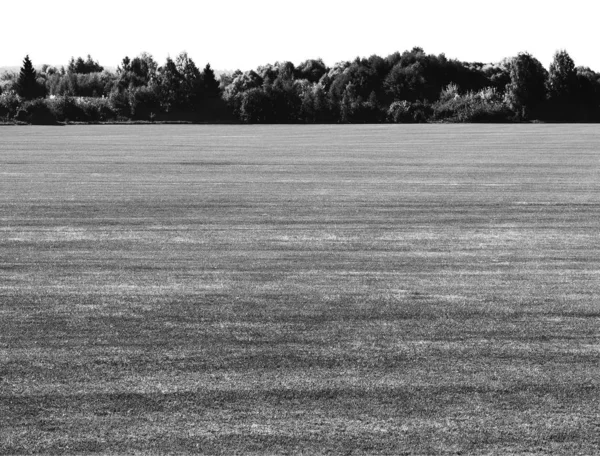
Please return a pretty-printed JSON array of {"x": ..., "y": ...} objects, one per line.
[
  {"x": 312, "y": 70},
  {"x": 349, "y": 103},
  {"x": 87, "y": 66},
  {"x": 191, "y": 89},
  {"x": 406, "y": 83},
  {"x": 241, "y": 83},
  {"x": 527, "y": 88},
  {"x": 170, "y": 84},
  {"x": 589, "y": 92},
  {"x": 139, "y": 72},
  {"x": 256, "y": 107},
  {"x": 562, "y": 79},
  {"x": 27, "y": 85},
  {"x": 211, "y": 85},
  {"x": 285, "y": 99}
]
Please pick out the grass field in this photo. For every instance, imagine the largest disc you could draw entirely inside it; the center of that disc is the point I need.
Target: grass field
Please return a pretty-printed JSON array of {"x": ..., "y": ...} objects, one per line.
[{"x": 430, "y": 289}]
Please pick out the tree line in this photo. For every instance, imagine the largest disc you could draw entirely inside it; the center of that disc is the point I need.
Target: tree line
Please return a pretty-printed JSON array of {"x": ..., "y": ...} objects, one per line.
[{"x": 412, "y": 86}]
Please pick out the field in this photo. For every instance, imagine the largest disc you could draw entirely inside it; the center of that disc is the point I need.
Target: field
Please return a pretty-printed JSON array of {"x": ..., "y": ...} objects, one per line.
[{"x": 429, "y": 289}]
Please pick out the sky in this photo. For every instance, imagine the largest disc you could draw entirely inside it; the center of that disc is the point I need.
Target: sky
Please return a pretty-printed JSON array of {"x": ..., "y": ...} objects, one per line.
[{"x": 243, "y": 34}]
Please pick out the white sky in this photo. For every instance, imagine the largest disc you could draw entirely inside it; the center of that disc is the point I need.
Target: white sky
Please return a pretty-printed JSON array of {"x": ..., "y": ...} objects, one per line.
[{"x": 246, "y": 33}]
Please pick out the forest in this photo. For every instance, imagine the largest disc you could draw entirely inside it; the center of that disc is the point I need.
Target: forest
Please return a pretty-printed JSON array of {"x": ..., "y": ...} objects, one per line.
[{"x": 407, "y": 87}]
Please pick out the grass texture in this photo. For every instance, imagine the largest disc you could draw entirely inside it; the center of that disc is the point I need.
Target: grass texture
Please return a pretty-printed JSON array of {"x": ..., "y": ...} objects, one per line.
[{"x": 389, "y": 289}]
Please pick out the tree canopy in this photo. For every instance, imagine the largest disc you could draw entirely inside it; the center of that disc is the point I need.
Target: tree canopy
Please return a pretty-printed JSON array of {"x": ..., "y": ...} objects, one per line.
[{"x": 408, "y": 86}]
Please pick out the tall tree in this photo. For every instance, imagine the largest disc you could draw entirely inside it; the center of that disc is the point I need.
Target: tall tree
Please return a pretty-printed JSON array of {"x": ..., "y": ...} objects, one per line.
[
  {"x": 211, "y": 85},
  {"x": 527, "y": 89},
  {"x": 170, "y": 84},
  {"x": 191, "y": 88},
  {"x": 27, "y": 85},
  {"x": 562, "y": 79}
]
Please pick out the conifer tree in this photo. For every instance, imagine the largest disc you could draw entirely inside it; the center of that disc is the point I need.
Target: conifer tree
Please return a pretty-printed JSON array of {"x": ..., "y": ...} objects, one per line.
[
  {"x": 27, "y": 85},
  {"x": 211, "y": 85}
]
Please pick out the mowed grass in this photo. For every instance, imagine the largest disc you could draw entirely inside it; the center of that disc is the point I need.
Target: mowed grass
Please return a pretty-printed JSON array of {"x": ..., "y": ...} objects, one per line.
[{"x": 428, "y": 289}]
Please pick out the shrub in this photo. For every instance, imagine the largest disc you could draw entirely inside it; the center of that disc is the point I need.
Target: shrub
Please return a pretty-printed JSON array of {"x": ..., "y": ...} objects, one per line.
[
  {"x": 9, "y": 103},
  {"x": 96, "y": 109},
  {"x": 21, "y": 116},
  {"x": 37, "y": 112},
  {"x": 483, "y": 106},
  {"x": 66, "y": 109},
  {"x": 81, "y": 109},
  {"x": 144, "y": 102},
  {"x": 407, "y": 112},
  {"x": 119, "y": 102}
]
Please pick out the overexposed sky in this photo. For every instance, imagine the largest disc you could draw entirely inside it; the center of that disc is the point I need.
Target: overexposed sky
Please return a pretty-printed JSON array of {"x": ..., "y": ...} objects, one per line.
[{"x": 246, "y": 33}]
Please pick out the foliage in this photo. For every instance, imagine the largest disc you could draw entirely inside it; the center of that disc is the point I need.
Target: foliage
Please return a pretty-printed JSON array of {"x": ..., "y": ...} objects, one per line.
[
  {"x": 27, "y": 85},
  {"x": 408, "y": 112},
  {"x": 411, "y": 86},
  {"x": 65, "y": 108},
  {"x": 144, "y": 102},
  {"x": 526, "y": 90},
  {"x": 36, "y": 112},
  {"x": 96, "y": 109},
  {"x": 353, "y": 85},
  {"x": 8, "y": 82},
  {"x": 255, "y": 106},
  {"x": 190, "y": 87},
  {"x": 170, "y": 81},
  {"x": 211, "y": 85},
  {"x": 284, "y": 99},
  {"x": 354, "y": 109},
  {"x": 588, "y": 83},
  {"x": 80, "y": 85},
  {"x": 562, "y": 83},
  {"x": 496, "y": 75},
  {"x": 418, "y": 76},
  {"x": 314, "y": 104},
  {"x": 79, "y": 109},
  {"x": 9, "y": 103},
  {"x": 240, "y": 83},
  {"x": 87, "y": 66},
  {"x": 119, "y": 102},
  {"x": 311, "y": 70},
  {"x": 570, "y": 97},
  {"x": 484, "y": 106},
  {"x": 406, "y": 83},
  {"x": 139, "y": 72}
]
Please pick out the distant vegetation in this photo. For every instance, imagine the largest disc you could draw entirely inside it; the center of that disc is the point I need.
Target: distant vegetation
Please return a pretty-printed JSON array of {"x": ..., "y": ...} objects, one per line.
[{"x": 403, "y": 87}]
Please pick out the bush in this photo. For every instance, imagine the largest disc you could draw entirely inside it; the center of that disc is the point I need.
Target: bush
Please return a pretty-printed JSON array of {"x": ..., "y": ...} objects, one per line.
[
  {"x": 407, "y": 112},
  {"x": 96, "y": 109},
  {"x": 144, "y": 102},
  {"x": 36, "y": 112},
  {"x": 483, "y": 106},
  {"x": 66, "y": 109},
  {"x": 119, "y": 102},
  {"x": 73, "y": 109},
  {"x": 9, "y": 103},
  {"x": 21, "y": 116}
]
